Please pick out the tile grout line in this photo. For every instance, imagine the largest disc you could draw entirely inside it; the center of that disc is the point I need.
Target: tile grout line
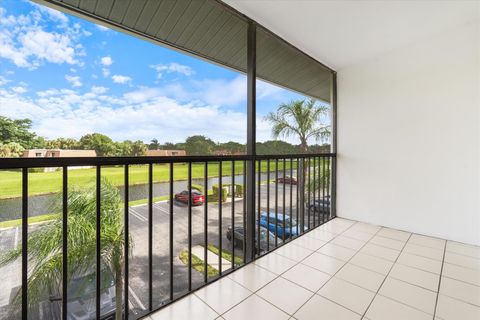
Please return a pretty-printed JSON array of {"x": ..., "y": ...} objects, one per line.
[
  {"x": 276, "y": 277},
  {"x": 299, "y": 262},
  {"x": 386, "y": 276},
  {"x": 345, "y": 263},
  {"x": 462, "y": 281},
  {"x": 440, "y": 279},
  {"x": 251, "y": 292},
  {"x": 394, "y": 262}
]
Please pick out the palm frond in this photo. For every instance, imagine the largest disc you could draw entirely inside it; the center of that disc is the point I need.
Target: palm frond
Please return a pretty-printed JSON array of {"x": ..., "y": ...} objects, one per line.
[
  {"x": 45, "y": 250},
  {"x": 301, "y": 118}
]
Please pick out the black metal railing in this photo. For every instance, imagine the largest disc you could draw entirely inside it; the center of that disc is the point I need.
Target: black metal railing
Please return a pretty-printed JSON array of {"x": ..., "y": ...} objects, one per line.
[{"x": 192, "y": 209}]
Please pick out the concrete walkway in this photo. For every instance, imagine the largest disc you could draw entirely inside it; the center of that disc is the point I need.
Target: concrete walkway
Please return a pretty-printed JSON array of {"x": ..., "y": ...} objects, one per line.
[{"x": 212, "y": 258}]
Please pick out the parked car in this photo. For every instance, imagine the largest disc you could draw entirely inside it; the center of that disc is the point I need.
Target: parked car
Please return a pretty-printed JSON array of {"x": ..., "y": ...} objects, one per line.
[
  {"x": 265, "y": 240},
  {"x": 321, "y": 206},
  {"x": 197, "y": 197},
  {"x": 275, "y": 222},
  {"x": 81, "y": 297},
  {"x": 287, "y": 180}
]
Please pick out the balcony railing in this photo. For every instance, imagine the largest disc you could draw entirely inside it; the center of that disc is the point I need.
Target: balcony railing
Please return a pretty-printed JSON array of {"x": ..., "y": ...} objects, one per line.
[{"x": 194, "y": 220}]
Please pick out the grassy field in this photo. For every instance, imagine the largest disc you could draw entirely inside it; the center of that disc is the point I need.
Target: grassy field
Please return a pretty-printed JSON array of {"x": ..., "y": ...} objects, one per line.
[
  {"x": 226, "y": 254},
  {"x": 51, "y": 182},
  {"x": 197, "y": 264}
]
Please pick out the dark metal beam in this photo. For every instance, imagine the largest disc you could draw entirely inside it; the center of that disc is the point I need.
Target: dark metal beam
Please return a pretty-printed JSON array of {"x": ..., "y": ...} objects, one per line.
[
  {"x": 18, "y": 163},
  {"x": 251, "y": 139},
  {"x": 334, "y": 145}
]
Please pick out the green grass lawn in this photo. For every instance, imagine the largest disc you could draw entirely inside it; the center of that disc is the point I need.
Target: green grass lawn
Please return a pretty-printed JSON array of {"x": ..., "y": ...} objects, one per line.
[
  {"x": 227, "y": 255},
  {"x": 197, "y": 264},
  {"x": 51, "y": 182}
]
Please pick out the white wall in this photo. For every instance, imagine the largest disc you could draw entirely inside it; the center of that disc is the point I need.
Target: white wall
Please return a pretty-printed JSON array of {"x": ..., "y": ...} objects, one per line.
[{"x": 409, "y": 138}]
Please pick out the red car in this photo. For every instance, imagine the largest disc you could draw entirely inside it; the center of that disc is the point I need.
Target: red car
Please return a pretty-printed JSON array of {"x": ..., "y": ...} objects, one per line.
[
  {"x": 197, "y": 197},
  {"x": 287, "y": 180}
]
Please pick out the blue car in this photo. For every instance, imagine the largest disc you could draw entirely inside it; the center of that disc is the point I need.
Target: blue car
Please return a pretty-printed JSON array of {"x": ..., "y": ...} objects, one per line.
[{"x": 274, "y": 224}]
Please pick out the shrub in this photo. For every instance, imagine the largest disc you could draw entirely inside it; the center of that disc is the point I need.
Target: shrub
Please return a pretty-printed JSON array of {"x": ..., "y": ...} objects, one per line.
[
  {"x": 198, "y": 187},
  {"x": 216, "y": 192},
  {"x": 238, "y": 190}
]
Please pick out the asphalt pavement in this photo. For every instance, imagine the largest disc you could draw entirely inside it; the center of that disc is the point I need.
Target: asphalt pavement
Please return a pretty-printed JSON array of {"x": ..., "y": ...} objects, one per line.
[{"x": 10, "y": 275}]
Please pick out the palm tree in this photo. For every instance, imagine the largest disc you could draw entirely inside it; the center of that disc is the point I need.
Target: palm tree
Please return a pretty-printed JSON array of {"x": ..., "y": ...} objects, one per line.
[
  {"x": 45, "y": 245},
  {"x": 301, "y": 118}
]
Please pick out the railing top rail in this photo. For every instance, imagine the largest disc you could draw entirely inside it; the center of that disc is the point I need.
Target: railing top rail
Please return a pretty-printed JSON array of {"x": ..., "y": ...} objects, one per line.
[{"x": 15, "y": 163}]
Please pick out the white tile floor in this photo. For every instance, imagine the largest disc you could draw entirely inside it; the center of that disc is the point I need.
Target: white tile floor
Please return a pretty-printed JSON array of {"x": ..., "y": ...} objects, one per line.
[{"x": 346, "y": 270}]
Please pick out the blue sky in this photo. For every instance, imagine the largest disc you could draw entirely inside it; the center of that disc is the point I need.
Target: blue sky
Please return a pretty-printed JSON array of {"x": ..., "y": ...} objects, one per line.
[{"x": 72, "y": 77}]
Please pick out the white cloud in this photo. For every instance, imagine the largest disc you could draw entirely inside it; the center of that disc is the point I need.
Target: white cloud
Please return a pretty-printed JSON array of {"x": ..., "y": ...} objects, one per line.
[
  {"x": 267, "y": 90},
  {"x": 67, "y": 113},
  {"x": 105, "y": 72},
  {"x": 172, "y": 67},
  {"x": 53, "y": 14},
  {"x": 106, "y": 61},
  {"x": 102, "y": 28},
  {"x": 218, "y": 92},
  {"x": 26, "y": 43},
  {"x": 99, "y": 90},
  {"x": 74, "y": 80},
  {"x": 3, "y": 81},
  {"x": 121, "y": 79},
  {"x": 19, "y": 89},
  {"x": 52, "y": 47}
]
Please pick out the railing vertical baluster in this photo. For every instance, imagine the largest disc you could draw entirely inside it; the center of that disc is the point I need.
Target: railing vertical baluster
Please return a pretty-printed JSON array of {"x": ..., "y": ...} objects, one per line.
[
  {"x": 299, "y": 180},
  {"x": 24, "y": 243},
  {"x": 291, "y": 195},
  {"x": 314, "y": 186},
  {"x": 220, "y": 200},
  {"x": 64, "y": 241},
  {"x": 333, "y": 202},
  {"x": 170, "y": 231},
  {"x": 323, "y": 188},
  {"x": 328, "y": 188},
  {"x": 150, "y": 236},
  {"x": 318, "y": 191},
  {"x": 98, "y": 243},
  {"x": 259, "y": 176},
  {"x": 233, "y": 214},
  {"x": 268, "y": 205},
  {"x": 320, "y": 200},
  {"x": 308, "y": 194},
  {"x": 205, "y": 223},
  {"x": 190, "y": 199},
  {"x": 283, "y": 204},
  {"x": 126, "y": 240},
  {"x": 244, "y": 211},
  {"x": 276, "y": 202},
  {"x": 302, "y": 194}
]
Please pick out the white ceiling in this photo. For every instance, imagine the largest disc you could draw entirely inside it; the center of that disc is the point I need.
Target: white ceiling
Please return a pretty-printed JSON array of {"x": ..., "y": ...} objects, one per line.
[{"x": 341, "y": 33}]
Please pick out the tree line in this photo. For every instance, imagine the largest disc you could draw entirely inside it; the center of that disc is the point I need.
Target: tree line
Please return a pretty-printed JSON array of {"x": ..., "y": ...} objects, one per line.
[{"x": 16, "y": 135}]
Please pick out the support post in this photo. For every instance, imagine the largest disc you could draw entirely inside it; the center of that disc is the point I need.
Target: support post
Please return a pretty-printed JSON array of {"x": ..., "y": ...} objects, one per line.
[
  {"x": 333, "y": 200},
  {"x": 251, "y": 140}
]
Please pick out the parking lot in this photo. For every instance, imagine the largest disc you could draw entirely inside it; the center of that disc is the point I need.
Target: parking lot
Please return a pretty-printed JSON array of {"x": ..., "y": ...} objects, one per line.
[
  {"x": 138, "y": 260},
  {"x": 161, "y": 215}
]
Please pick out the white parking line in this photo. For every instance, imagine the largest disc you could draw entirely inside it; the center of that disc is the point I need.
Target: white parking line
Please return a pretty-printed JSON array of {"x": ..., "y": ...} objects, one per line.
[
  {"x": 138, "y": 215},
  {"x": 162, "y": 209},
  {"x": 137, "y": 300},
  {"x": 144, "y": 204}
]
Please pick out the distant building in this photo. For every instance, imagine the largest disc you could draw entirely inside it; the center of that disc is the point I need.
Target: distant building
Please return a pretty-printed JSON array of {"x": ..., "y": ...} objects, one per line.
[
  {"x": 227, "y": 153},
  {"x": 166, "y": 153},
  {"x": 59, "y": 153}
]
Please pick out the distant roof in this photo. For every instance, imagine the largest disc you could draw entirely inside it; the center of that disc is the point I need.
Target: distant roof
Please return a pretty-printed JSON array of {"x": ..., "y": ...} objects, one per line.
[{"x": 61, "y": 152}]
